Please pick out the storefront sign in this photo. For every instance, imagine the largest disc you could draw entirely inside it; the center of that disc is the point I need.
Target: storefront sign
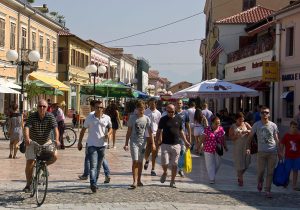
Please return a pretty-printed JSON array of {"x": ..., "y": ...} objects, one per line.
[
  {"x": 257, "y": 64},
  {"x": 270, "y": 71},
  {"x": 287, "y": 77},
  {"x": 238, "y": 69}
]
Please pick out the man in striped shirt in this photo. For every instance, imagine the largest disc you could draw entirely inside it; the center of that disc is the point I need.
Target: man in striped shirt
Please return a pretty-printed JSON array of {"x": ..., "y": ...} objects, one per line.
[{"x": 38, "y": 128}]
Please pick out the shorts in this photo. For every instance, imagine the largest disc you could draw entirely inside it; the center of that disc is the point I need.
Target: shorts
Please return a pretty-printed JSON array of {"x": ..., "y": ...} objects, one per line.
[
  {"x": 198, "y": 130},
  {"x": 30, "y": 155},
  {"x": 137, "y": 151},
  {"x": 292, "y": 164},
  {"x": 115, "y": 125},
  {"x": 170, "y": 154}
]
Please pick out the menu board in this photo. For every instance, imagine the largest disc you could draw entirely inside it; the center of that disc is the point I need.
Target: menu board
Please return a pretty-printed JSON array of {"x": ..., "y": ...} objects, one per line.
[{"x": 85, "y": 110}]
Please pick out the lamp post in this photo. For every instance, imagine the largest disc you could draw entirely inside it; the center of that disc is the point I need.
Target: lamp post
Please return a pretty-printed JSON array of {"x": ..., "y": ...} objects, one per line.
[
  {"x": 92, "y": 69},
  {"x": 12, "y": 56}
]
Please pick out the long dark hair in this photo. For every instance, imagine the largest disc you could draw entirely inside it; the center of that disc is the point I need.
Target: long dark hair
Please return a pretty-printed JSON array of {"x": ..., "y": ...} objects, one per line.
[
  {"x": 112, "y": 111},
  {"x": 198, "y": 117}
]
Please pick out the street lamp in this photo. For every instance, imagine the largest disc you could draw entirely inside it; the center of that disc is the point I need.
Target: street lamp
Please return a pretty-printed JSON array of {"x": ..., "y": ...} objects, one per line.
[
  {"x": 92, "y": 69},
  {"x": 12, "y": 56}
]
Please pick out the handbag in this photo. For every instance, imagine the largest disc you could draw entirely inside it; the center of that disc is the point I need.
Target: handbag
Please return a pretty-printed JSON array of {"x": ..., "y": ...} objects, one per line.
[
  {"x": 187, "y": 161},
  {"x": 219, "y": 149},
  {"x": 281, "y": 174},
  {"x": 253, "y": 145},
  {"x": 22, "y": 147}
]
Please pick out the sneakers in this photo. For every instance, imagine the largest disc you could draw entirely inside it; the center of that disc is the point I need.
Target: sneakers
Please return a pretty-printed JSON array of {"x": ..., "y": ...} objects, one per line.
[
  {"x": 172, "y": 184},
  {"x": 94, "y": 188},
  {"x": 153, "y": 173},
  {"x": 163, "y": 178},
  {"x": 26, "y": 189},
  {"x": 107, "y": 180},
  {"x": 259, "y": 186},
  {"x": 146, "y": 165},
  {"x": 82, "y": 177},
  {"x": 181, "y": 174},
  {"x": 212, "y": 182}
]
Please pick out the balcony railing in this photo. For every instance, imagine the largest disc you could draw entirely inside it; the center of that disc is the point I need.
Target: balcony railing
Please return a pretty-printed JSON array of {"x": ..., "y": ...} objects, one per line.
[{"x": 250, "y": 50}]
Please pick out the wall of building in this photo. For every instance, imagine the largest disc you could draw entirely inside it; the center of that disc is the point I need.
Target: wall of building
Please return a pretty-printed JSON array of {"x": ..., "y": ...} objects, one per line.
[{"x": 289, "y": 68}]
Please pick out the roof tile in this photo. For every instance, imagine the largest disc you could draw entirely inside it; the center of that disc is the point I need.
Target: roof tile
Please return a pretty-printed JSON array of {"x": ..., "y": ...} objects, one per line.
[{"x": 251, "y": 15}]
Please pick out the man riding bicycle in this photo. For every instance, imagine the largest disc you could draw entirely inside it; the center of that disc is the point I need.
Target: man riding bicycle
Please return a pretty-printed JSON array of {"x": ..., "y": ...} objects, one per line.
[{"x": 38, "y": 128}]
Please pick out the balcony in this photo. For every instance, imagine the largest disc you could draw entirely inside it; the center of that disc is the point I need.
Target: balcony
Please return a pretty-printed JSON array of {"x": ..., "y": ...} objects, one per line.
[{"x": 250, "y": 50}]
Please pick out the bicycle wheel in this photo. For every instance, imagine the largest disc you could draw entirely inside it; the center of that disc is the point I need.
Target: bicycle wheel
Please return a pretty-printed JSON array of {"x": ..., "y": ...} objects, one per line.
[
  {"x": 41, "y": 185},
  {"x": 33, "y": 182},
  {"x": 69, "y": 137},
  {"x": 5, "y": 130}
]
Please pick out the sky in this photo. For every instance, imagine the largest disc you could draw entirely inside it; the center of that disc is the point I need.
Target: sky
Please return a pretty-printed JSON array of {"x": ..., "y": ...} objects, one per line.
[{"x": 106, "y": 20}]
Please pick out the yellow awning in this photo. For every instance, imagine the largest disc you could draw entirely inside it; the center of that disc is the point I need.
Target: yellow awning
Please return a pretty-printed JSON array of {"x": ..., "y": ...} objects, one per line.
[{"x": 52, "y": 81}]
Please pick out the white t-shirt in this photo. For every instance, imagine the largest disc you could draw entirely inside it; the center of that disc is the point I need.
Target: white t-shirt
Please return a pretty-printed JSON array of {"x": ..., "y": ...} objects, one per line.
[
  {"x": 191, "y": 112},
  {"x": 97, "y": 129},
  {"x": 154, "y": 120}
]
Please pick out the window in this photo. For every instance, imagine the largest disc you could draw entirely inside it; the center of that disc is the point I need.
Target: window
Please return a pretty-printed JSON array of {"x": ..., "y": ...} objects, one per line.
[
  {"x": 289, "y": 41},
  {"x": 33, "y": 41},
  {"x": 54, "y": 52},
  {"x": 247, "y": 4},
  {"x": 23, "y": 38},
  {"x": 41, "y": 47},
  {"x": 48, "y": 50},
  {"x": 12, "y": 36},
  {"x": 2, "y": 32},
  {"x": 73, "y": 58}
]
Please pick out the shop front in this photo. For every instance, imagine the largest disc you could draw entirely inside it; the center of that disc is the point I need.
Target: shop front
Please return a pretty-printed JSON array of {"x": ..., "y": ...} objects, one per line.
[
  {"x": 248, "y": 72},
  {"x": 289, "y": 97}
]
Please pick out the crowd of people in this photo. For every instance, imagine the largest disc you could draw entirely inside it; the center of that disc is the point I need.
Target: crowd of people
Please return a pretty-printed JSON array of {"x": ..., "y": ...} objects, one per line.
[{"x": 172, "y": 132}]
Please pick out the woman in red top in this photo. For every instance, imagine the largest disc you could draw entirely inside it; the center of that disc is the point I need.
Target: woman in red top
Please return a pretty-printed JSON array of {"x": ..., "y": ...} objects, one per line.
[
  {"x": 291, "y": 143},
  {"x": 213, "y": 134}
]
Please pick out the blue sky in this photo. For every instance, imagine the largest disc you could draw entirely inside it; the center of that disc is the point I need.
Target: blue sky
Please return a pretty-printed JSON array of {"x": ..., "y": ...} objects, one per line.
[{"x": 107, "y": 20}]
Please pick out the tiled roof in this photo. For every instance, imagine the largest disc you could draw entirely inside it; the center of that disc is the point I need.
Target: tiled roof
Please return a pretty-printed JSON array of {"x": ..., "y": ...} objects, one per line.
[{"x": 252, "y": 15}]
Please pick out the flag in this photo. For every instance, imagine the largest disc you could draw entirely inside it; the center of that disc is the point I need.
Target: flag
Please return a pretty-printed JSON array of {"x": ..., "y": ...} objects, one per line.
[{"x": 216, "y": 50}]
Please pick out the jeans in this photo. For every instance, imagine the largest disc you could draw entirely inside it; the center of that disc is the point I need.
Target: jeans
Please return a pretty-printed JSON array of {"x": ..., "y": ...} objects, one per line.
[
  {"x": 95, "y": 156},
  {"x": 86, "y": 171}
]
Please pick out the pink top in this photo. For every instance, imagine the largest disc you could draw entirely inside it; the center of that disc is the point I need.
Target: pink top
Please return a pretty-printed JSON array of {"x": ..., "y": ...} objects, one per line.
[{"x": 212, "y": 137}]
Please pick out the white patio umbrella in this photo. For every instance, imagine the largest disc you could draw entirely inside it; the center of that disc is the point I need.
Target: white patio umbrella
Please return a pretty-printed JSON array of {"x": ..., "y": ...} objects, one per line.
[
  {"x": 4, "y": 89},
  {"x": 6, "y": 83},
  {"x": 215, "y": 88}
]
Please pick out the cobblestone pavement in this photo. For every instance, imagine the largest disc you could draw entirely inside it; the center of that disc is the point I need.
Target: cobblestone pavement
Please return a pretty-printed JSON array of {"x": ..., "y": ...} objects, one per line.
[{"x": 192, "y": 192}]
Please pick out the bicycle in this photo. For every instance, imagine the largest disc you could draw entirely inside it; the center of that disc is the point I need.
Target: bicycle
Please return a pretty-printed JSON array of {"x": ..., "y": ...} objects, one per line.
[
  {"x": 39, "y": 183},
  {"x": 5, "y": 128},
  {"x": 69, "y": 137}
]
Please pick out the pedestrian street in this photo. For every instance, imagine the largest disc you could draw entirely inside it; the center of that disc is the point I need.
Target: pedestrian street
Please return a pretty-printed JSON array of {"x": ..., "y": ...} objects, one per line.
[{"x": 66, "y": 191}]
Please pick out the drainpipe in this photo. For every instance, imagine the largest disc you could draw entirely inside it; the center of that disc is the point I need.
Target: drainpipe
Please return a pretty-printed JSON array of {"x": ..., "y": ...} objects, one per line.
[{"x": 277, "y": 108}]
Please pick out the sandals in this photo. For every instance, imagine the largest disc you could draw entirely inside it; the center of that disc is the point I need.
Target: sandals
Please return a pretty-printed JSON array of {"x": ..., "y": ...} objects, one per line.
[{"x": 133, "y": 186}]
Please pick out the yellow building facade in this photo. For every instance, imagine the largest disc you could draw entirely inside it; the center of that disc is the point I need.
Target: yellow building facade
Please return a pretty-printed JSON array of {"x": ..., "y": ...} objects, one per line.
[{"x": 23, "y": 29}]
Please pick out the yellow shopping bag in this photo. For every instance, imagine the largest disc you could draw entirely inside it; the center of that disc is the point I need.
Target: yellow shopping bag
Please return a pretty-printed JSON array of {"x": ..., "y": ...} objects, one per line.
[{"x": 187, "y": 161}]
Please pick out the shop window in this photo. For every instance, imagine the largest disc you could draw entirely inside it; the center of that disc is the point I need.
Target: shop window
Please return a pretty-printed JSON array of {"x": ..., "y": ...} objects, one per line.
[{"x": 288, "y": 102}]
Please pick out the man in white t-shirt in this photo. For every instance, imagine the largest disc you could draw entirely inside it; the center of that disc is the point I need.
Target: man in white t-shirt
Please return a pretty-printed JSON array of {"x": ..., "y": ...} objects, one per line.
[
  {"x": 96, "y": 141},
  {"x": 154, "y": 116},
  {"x": 191, "y": 111}
]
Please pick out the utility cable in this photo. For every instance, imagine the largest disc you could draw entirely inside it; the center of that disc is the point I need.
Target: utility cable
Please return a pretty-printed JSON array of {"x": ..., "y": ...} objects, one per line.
[{"x": 162, "y": 26}]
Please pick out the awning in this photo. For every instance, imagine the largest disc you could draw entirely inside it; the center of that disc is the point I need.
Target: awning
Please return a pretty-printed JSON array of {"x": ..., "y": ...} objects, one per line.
[
  {"x": 4, "y": 89},
  {"x": 288, "y": 95},
  {"x": 53, "y": 82},
  {"x": 261, "y": 28},
  {"x": 256, "y": 85}
]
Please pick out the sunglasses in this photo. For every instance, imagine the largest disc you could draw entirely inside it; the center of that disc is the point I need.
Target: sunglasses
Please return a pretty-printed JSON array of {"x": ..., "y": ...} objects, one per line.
[
  {"x": 171, "y": 112},
  {"x": 99, "y": 107},
  {"x": 265, "y": 112},
  {"x": 42, "y": 106}
]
